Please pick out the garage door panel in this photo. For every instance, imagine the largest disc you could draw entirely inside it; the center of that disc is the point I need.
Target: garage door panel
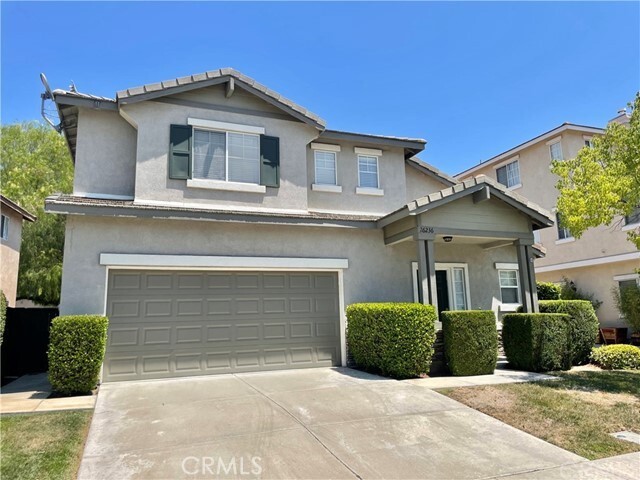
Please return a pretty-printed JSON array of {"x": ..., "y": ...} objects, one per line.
[
  {"x": 164, "y": 363},
  {"x": 166, "y": 324}
]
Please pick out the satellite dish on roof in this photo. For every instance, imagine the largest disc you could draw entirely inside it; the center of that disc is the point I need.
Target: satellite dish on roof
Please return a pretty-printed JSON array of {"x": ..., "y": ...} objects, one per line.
[{"x": 50, "y": 115}]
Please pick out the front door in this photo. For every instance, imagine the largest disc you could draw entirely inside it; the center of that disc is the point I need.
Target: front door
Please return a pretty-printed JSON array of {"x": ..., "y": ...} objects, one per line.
[{"x": 442, "y": 286}]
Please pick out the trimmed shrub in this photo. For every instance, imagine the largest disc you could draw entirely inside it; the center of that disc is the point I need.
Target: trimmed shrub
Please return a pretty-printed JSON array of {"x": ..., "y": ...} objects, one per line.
[
  {"x": 76, "y": 349},
  {"x": 617, "y": 357},
  {"x": 548, "y": 291},
  {"x": 394, "y": 339},
  {"x": 3, "y": 315},
  {"x": 470, "y": 341},
  {"x": 537, "y": 342},
  {"x": 583, "y": 326}
]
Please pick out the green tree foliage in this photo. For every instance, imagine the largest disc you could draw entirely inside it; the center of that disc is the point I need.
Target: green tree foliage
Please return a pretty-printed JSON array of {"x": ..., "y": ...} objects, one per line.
[
  {"x": 627, "y": 300},
  {"x": 603, "y": 181},
  {"x": 35, "y": 163}
]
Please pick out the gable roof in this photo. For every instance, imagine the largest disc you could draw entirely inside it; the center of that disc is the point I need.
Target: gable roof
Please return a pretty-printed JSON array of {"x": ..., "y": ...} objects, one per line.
[
  {"x": 10, "y": 204},
  {"x": 68, "y": 101},
  {"x": 544, "y": 136},
  {"x": 216, "y": 77},
  {"x": 541, "y": 218}
]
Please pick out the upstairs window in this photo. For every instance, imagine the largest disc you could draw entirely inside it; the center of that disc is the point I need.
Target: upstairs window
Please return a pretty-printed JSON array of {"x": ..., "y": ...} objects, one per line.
[
  {"x": 633, "y": 217},
  {"x": 509, "y": 290},
  {"x": 563, "y": 232},
  {"x": 555, "y": 150},
  {"x": 368, "y": 171},
  {"x": 226, "y": 156},
  {"x": 325, "y": 165},
  {"x": 509, "y": 174},
  {"x": 4, "y": 227},
  {"x": 587, "y": 143}
]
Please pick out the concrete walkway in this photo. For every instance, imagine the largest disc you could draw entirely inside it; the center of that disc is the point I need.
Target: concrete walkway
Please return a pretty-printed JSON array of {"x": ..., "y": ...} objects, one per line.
[
  {"x": 30, "y": 393},
  {"x": 622, "y": 467},
  {"x": 315, "y": 423},
  {"x": 501, "y": 375}
]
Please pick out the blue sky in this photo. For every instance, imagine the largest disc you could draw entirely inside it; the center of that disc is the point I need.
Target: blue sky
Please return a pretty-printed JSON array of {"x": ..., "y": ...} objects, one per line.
[{"x": 473, "y": 79}]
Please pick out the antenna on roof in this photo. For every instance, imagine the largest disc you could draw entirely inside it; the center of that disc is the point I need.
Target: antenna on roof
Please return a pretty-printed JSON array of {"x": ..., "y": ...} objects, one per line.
[
  {"x": 49, "y": 114},
  {"x": 72, "y": 87}
]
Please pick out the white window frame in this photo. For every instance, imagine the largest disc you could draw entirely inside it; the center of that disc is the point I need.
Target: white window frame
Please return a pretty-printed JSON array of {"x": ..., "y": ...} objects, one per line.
[
  {"x": 335, "y": 167},
  {"x": 559, "y": 240},
  {"x": 369, "y": 153},
  {"x": 5, "y": 227},
  {"x": 204, "y": 182},
  {"x": 517, "y": 287},
  {"x": 505, "y": 165},
  {"x": 551, "y": 144},
  {"x": 449, "y": 267},
  {"x": 588, "y": 141}
]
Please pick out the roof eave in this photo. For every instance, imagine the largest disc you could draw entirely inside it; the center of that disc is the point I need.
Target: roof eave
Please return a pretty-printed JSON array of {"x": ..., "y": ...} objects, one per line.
[{"x": 513, "y": 151}]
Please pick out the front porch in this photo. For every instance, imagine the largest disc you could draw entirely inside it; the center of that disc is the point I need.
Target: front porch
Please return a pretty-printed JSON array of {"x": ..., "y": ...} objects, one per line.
[{"x": 474, "y": 247}]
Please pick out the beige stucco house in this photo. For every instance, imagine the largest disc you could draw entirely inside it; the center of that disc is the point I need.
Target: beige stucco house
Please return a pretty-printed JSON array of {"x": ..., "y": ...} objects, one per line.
[
  {"x": 11, "y": 215},
  {"x": 602, "y": 258},
  {"x": 224, "y": 228}
]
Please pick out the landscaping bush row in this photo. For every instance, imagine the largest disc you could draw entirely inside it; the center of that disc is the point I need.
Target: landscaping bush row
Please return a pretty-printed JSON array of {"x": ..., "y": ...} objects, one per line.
[
  {"x": 617, "y": 357},
  {"x": 537, "y": 342},
  {"x": 470, "y": 341},
  {"x": 582, "y": 323},
  {"x": 76, "y": 350},
  {"x": 394, "y": 339}
]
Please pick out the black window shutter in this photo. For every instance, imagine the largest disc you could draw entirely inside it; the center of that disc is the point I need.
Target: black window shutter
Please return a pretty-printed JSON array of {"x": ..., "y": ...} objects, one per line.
[
  {"x": 180, "y": 152},
  {"x": 269, "y": 161}
]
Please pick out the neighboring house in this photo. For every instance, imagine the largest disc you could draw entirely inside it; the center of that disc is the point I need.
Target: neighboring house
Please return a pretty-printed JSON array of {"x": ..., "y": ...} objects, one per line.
[
  {"x": 602, "y": 258},
  {"x": 223, "y": 228},
  {"x": 11, "y": 217}
]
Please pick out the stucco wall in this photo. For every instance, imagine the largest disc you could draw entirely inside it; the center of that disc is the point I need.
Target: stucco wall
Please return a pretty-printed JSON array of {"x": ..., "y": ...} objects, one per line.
[
  {"x": 391, "y": 174},
  {"x": 597, "y": 279},
  {"x": 419, "y": 184},
  {"x": 376, "y": 272},
  {"x": 10, "y": 256},
  {"x": 105, "y": 154},
  {"x": 153, "y": 120}
]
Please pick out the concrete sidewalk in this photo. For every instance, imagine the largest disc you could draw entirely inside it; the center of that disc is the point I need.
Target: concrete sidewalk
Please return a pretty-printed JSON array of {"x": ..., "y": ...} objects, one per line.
[
  {"x": 30, "y": 393},
  {"x": 501, "y": 375},
  {"x": 622, "y": 467}
]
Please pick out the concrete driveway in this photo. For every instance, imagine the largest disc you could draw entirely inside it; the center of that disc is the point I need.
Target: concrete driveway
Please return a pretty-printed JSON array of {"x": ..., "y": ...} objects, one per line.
[{"x": 317, "y": 423}]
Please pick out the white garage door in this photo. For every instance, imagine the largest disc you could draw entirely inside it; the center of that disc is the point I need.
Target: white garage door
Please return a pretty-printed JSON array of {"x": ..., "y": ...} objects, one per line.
[{"x": 180, "y": 323}]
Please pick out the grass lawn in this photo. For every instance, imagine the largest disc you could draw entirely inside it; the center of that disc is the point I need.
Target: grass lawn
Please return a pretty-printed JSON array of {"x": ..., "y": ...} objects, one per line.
[
  {"x": 43, "y": 445},
  {"x": 577, "y": 412}
]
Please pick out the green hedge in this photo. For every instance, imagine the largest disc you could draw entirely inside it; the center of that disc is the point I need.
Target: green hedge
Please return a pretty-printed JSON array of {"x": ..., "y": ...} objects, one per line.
[
  {"x": 470, "y": 341},
  {"x": 537, "y": 342},
  {"x": 548, "y": 291},
  {"x": 394, "y": 339},
  {"x": 3, "y": 315},
  {"x": 76, "y": 350},
  {"x": 617, "y": 357},
  {"x": 583, "y": 326}
]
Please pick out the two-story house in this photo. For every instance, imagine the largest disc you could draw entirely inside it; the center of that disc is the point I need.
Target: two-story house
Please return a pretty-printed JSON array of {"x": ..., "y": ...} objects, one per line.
[
  {"x": 597, "y": 262},
  {"x": 224, "y": 228}
]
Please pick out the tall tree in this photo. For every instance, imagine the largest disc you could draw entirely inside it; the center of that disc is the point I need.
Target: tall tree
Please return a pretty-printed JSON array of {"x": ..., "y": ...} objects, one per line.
[
  {"x": 35, "y": 163},
  {"x": 602, "y": 183}
]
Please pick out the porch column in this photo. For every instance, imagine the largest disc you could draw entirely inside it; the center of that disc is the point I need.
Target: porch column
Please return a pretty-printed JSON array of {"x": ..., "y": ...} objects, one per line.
[
  {"x": 527, "y": 278},
  {"x": 427, "y": 272}
]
